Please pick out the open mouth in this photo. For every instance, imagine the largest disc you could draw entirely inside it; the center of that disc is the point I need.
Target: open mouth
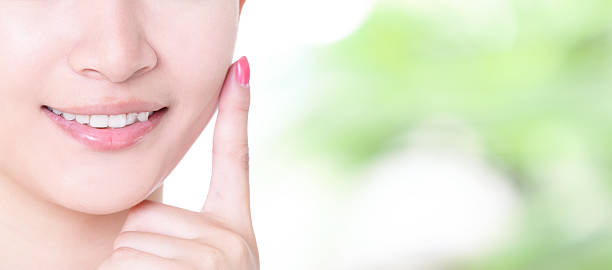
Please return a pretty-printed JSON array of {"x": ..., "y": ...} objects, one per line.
[
  {"x": 105, "y": 121},
  {"x": 106, "y": 132}
]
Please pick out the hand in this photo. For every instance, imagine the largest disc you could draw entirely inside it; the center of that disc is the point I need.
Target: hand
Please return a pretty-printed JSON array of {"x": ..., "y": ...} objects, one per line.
[{"x": 220, "y": 236}]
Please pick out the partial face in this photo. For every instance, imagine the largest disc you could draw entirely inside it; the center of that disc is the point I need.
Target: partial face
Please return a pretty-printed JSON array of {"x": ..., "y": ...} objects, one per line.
[{"x": 91, "y": 59}]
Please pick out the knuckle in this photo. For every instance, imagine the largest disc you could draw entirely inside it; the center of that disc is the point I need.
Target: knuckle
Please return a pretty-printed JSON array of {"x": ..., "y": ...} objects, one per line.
[
  {"x": 138, "y": 213},
  {"x": 243, "y": 155},
  {"x": 212, "y": 257},
  {"x": 123, "y": 254},
  {"x": 242, "y": 106},
  {"x": 237, "y": 246},
  {"x": 212, "y": 264},
  {"x": 238, "y": 152},
  {"x": 125, "y": 237}
]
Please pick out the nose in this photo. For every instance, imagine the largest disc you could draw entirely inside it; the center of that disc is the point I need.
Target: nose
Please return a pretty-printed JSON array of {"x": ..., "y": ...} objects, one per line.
[{"x": 111, "y": 44}]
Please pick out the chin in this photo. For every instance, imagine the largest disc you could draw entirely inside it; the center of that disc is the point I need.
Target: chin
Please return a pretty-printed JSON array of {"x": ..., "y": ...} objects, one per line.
[{"x": 101, "y": 193}]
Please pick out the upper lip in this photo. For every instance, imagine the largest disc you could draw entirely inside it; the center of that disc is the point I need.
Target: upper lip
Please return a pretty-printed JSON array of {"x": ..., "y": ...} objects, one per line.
[{"x": 114, "y": 108}]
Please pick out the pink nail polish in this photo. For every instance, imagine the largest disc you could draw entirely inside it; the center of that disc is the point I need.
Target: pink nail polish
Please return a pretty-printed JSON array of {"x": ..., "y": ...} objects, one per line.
[{"x": 243, "y": 71}]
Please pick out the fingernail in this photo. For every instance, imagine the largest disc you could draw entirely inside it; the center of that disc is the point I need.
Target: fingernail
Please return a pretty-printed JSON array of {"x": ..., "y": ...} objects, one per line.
[{"x": 243, "y": 71}]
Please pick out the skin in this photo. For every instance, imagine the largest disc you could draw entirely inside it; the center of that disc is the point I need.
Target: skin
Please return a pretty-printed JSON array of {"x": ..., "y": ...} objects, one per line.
[{"x": 66, "y": 206}]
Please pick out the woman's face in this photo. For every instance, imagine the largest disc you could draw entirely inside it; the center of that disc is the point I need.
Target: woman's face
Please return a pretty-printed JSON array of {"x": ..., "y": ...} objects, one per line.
[{"x": 107, "y": 57}]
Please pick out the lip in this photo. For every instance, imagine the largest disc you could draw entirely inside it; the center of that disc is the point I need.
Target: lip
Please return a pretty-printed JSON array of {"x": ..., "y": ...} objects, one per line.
[{"x": 107, "y": 139}]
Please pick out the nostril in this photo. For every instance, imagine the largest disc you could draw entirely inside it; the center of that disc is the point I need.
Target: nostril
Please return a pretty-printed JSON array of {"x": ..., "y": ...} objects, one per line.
[
  {"x": 92, "y": 73},
  {"x": 141, "y": 71}
]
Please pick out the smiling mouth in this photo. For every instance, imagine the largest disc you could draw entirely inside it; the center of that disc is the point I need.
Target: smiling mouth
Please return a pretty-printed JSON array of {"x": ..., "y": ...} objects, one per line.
[
  {"x": 102, "y": 121},
  {"x": 106, "y": 132}
]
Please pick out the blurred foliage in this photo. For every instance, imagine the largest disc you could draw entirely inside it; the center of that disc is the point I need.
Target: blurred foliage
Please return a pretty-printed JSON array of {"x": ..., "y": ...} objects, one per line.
[{"x": 532, "y": 77}]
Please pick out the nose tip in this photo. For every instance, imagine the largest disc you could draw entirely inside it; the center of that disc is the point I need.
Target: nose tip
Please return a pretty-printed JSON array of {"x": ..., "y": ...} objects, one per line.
[
  {"x": 101, "y": 65},
  {"x": 115, "y": 51}
]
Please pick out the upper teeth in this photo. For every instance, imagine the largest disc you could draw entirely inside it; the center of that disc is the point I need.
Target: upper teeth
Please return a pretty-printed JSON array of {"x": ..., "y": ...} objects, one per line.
[{"x": 102, "y": 121}]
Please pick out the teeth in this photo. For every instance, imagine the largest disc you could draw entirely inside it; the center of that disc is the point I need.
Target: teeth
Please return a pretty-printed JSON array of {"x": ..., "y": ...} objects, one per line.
[
  {"x": 69, "y": 116},
  {"x": 131, "y": 118},
  {"x": 103, "y": 121},
  {"x": 143, "y": 116},
  {"x": 82, "y": 119},
  {"x": 117, "y": 121},
  {"x": 99, "y": 121}
]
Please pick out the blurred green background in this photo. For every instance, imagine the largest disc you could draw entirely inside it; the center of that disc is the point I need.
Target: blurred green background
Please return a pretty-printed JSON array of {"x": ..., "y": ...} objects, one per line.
[
  {"x": 527, "y": 81},
  {"x": 537, "y": 92}
]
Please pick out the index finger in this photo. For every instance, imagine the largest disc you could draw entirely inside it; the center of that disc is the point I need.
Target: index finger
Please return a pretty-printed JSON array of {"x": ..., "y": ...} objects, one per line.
[{"x": 228, "y": 194}]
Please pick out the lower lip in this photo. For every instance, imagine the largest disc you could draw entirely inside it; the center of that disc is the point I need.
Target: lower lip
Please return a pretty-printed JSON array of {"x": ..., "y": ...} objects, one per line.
[{"x": 107, "y": 139}]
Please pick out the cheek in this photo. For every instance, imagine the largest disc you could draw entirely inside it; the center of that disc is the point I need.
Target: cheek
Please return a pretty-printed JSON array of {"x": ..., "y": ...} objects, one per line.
[
  {"x": 196, "y": 66},
  {"x": 197, "y": 58},
  {"x": 28, "y": 57}
]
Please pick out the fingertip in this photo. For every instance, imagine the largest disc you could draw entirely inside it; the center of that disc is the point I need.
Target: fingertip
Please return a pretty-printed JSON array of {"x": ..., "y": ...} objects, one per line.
[
  {"x": 243, "y": 72},
  {"x": 235, "y": 94}
]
